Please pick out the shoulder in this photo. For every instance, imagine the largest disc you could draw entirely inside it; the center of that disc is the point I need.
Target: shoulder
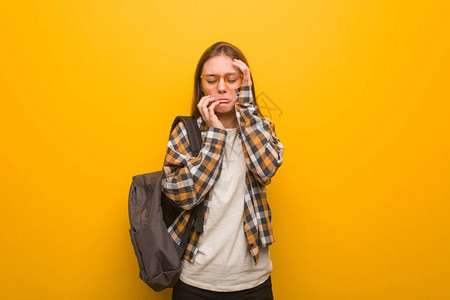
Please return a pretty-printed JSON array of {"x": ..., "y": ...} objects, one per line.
[
  {"x": 179, "y": 134},
  {"x": 178, "y": 131}
]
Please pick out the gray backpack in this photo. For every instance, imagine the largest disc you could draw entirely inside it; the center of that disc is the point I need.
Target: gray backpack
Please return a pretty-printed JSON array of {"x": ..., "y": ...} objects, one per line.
[{"x": 151, "y": 213}]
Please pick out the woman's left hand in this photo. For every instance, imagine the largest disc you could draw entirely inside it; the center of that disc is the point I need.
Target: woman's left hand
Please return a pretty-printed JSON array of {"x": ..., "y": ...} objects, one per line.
[{"x": 246, "y": 80}]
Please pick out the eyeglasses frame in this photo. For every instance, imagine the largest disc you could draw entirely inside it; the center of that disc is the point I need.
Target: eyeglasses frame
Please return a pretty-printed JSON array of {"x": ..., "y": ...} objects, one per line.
[{"x": 221, "y": 76}]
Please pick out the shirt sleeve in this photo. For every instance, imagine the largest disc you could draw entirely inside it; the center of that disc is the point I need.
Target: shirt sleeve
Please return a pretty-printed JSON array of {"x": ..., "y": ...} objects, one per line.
[
  {"x": 264, "y": 149},
  {"x": 187, "y": 179}
]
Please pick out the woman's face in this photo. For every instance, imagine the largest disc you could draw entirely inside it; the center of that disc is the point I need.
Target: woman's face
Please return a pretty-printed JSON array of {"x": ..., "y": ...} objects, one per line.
[{"x": 221, "y": 65}]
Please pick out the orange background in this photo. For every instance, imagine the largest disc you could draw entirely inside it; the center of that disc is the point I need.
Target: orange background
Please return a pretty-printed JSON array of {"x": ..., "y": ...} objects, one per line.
[{"x": 359, "y": 93}]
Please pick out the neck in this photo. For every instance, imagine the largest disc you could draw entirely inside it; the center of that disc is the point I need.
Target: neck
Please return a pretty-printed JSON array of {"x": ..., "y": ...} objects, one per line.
[{"x": 228, "y": 120}]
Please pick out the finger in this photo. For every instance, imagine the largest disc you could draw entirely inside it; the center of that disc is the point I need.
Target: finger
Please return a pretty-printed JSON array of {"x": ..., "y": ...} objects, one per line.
[
  {"x": 205, "y": 108},
  {"x": 207, "y": 101},
  {"x": 211, "y": 114},
  {"x": 241, "y": 63},
  {"x": 246, "y": 80},
  {"x": 243, "y": 67},
  {"x": 237, "y": 64},
  {"x": 201, "y": 105},
  {"x": 211, "y": 107},
  {"x": 202, "y": 101},
  {"x": 204, "y": 98},
  {"x": 205, "y": 113}
]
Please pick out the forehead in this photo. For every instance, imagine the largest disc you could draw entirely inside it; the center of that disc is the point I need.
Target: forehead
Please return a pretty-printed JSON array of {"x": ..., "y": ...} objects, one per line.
[{"x": 219, "y": 65}]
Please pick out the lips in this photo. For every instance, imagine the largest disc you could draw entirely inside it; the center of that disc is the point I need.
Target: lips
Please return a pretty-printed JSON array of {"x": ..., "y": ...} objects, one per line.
[{"x": 224, "y": 100}]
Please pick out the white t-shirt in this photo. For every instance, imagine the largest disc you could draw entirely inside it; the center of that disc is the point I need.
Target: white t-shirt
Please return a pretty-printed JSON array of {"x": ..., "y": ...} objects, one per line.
[{"x": 223, "y": 262}]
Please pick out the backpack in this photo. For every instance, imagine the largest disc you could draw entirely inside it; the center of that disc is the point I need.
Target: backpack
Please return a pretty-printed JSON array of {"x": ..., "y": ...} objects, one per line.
[{"x": 151, "y": 213}]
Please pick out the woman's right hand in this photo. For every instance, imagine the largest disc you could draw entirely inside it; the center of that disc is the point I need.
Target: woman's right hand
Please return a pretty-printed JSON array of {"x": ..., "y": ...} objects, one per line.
[{"x": 208, "y": 113}]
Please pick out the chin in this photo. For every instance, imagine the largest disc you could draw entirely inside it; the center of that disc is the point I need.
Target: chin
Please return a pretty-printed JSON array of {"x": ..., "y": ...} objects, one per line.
[{"x": 223, "y": 112}]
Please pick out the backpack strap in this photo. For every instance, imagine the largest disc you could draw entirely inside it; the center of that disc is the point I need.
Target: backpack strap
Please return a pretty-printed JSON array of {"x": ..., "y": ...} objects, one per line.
[
  {"x": 195, "y": 141},
  {"x": 194, "y": 133}
]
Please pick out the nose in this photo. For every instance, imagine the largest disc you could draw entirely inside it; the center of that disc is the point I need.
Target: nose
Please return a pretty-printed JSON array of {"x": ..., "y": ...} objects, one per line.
[{"x": 222, "y": 85}]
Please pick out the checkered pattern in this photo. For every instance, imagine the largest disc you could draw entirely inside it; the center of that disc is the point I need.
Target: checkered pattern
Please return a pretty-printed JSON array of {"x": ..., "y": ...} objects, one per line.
[{"x": 188, "y": 180}]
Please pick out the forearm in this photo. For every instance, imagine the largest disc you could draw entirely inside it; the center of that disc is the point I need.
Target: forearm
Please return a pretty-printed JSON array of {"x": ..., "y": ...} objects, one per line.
[
  {"x": 188, "y": 179},
  {"x": 265, "y": 151}
]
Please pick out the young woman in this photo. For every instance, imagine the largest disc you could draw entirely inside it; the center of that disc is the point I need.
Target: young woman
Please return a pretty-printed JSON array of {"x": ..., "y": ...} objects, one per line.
[{"x": 228, "y": 256}]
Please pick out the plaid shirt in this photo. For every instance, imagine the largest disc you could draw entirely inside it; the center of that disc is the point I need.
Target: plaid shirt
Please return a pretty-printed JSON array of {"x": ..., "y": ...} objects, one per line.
[{"x": 188, "y": 180}]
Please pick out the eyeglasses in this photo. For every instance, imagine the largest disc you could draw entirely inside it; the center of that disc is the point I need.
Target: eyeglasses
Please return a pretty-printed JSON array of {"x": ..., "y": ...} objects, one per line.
[{"x": 232, "y": 80}]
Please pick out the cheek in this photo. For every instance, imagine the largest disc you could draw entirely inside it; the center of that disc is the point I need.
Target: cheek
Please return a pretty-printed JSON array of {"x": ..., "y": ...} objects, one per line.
[{"x": 208, "y": 91}]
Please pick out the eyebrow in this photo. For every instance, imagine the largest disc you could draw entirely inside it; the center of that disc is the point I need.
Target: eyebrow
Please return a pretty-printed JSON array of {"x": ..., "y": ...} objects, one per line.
[{"x": 219, "y": 74}]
